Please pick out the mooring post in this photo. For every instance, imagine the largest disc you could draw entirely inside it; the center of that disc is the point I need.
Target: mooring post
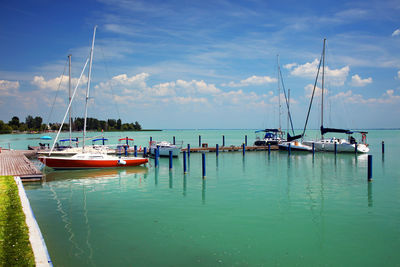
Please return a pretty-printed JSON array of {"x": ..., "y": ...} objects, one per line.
[
  {"x": 199, "y": 140},
  {"x": 135, "y": 150},
  {"x": 103, "y": 141},
  {"x": 245, "y": 139},
  {"x": 223, "y": 140},
  {"x": 244, "y": 148},
  {"x": 269, "y": 148},
  {"x": 313, "y": 148},
  {"x": 151, "y": 139},
  {"x": 170, "y": 159},
  {"x": 158, "y": 151},
  {"x": 355, "y": 148},
  {"x": 126, "y": 150},
  {"x": 188, "y": 150},
  {"x": 289, "y": 149},
  {"x": 203, "y": 160},
  {"x": 383, "y": 147},
  {"x": 173, "y": 140},
  {"x": 127, "y": 140},
  {"x": 369, "y": 168},
  {"x": 184, "y": 162},
  {"x": 144, "y": 152},
  {"x": 335, "y": 148},
  {"x": 216, "y": 150},
  {"x": 156, "y": 157}
]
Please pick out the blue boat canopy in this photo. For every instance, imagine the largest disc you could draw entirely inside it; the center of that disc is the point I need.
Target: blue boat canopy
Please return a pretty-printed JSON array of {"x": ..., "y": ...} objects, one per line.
[
  {"x": 46, "y": 137},
  {"x": 268, "y": 130},
  {"x": 72, "y": 139},
  {"x": 100, "y": 139}
]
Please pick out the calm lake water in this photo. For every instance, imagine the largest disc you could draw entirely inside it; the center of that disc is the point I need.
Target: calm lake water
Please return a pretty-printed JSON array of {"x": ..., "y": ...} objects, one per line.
[{"x": 256, "y": 210}]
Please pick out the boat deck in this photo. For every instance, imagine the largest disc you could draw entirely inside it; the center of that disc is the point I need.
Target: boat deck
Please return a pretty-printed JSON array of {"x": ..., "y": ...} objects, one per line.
[{"x": 15, "y": 163}]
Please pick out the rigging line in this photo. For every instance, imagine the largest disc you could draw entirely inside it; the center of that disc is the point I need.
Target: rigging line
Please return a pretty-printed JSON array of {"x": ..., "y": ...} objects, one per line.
[
  {"x": 109, "y": 77},
  {"x": 58, "y": 89},
  {"x": 312, "y": 96},
  {"x": 287, "y": 104}
]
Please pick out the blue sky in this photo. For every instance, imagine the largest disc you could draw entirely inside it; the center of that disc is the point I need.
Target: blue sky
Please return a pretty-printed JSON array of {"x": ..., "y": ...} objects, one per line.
[{"x": 203, "y": 64}]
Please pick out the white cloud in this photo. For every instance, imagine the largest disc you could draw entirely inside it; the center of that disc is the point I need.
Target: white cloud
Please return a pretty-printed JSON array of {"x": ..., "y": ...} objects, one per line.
[
  {"x": 197, "y": 87},
  {"x": 396, "y": 32},
  {"x": 387, "y": 98},
  {"x": 253, "y": 80},
  {"x": 398, "y": 74},
  {"x": 332, "y": 76},
  {"x": 318, "y": 91},
  {"x": 137, "y": 80},
  {"x": 290, "y": 66},
  {"x": 53, "y": 84},
  {"x": 358, "y": 82},
  {"x": 7, "y": 86}
]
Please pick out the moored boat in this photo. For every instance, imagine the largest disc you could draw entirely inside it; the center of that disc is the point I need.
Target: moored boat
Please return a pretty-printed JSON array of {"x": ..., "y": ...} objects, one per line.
[{"x": 164, "y": 148}]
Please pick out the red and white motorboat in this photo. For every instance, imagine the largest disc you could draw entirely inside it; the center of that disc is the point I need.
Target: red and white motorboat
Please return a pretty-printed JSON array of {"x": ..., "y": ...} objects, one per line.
[{"x": 91, "y": 161}]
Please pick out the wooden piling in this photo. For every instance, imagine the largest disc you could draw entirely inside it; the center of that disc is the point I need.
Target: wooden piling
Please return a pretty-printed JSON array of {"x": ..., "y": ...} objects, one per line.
[
  {"x": 216, "y": 150},
  {"x": 369, "y": 168},
  {"x": 223, "y": 140},
  {"x": 383, "y": 147},
  {"x": 244, "y": 148},
  {"x": 184, "y": 162},
  {"x": 170, "y": 159},
  {"x": 199, "y": 140},
  {"x": 135, "y": 150},
  {"x": 203, "y": 160}
]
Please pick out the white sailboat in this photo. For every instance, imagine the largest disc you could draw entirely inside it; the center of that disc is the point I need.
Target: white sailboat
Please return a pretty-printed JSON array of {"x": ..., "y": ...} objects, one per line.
[
  {"x": 87, "y": 159},
  {"x": 333, "y": 144}
]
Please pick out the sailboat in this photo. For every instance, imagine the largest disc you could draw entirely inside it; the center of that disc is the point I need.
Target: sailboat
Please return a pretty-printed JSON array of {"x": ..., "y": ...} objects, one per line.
[
  {"x": 85, "y": 159},
  {"x": 333, "y": 144}
]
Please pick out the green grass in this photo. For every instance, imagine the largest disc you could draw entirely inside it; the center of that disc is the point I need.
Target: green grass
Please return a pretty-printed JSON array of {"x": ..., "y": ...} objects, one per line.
[{"x": 15, "y": 248}]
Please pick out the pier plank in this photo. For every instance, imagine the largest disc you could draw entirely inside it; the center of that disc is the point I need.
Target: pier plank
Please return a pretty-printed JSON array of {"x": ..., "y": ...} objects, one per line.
[{"x": 15, "y": 163}]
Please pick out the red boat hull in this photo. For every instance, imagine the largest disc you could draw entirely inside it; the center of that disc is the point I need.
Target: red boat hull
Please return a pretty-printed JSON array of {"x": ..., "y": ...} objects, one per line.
[{"x": 67, "y": 163}]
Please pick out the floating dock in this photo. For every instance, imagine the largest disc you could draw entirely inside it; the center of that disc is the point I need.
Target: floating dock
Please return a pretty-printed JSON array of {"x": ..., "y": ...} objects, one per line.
[
  {"x": 231, "y": 148},
  {"x": 15, "y": 163}
]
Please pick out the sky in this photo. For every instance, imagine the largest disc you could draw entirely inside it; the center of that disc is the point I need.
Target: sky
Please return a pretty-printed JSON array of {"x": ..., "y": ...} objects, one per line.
[{"x": 203, "y": 64}]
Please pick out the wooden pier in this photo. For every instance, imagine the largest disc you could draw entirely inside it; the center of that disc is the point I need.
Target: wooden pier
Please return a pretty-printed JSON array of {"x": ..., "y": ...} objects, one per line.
[
  {"x": 231, "y": 148},
  {"x": 15, "y": 163}
]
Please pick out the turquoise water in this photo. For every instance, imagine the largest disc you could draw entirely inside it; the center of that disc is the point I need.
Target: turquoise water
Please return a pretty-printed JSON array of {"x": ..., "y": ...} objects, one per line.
[{"x": 255, "y": 210}]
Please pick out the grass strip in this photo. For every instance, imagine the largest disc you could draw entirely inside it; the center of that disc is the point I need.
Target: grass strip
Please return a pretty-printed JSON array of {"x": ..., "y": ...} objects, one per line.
[{"x": 15, "y": 248}]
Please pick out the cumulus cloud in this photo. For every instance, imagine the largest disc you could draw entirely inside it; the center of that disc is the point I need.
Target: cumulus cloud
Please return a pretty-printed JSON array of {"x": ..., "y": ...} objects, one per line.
[
  {"x": 197, "y": 87},
  {"x": 396, "y": 32},
  {"x": 388, "y": 97},
  {"x": 358, "y": 82},
  {"x": 309, "y": 70},
  {"x": 318, "y": 91},
  {"x": 53, "y": 84},
  {"x": 7, "y": 87},
  {"x": 398, "y": 74},
  {"x": 290, "y": 66},
  {"x": 253, "y": 80}
]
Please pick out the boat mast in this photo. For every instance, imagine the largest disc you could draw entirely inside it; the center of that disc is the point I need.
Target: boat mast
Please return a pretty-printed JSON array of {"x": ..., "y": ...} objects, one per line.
[
  {"x": 279, "y": 93},
  {"x": 323, "y": 77},
  {"x": 87, "y": 89},
  {"x": 69, "y": 96},
  {"x": 288, "y": 116}
]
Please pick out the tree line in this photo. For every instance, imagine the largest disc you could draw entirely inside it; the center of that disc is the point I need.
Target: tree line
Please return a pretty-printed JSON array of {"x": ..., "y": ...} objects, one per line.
[{"x": 36, "y": 124}]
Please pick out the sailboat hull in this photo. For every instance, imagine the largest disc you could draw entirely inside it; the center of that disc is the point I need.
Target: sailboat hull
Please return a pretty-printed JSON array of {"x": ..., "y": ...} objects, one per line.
[
  {"x": 60, "y": 163},
  {"x": 340, "y": 147}
]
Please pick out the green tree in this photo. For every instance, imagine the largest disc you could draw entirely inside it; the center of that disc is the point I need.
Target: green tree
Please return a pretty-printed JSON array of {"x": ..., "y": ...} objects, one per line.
[
  {"x": 30, "y": 122},
  {"x": 37, "y": 122},
  {"x": 14, "y": 122},
  {"x": 119, "y": 124},
  {"x": 5, "y": 128},
  {"x": 137, "y": 126}
]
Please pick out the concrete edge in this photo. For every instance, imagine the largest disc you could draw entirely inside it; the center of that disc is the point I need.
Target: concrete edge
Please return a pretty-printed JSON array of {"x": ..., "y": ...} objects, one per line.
[{"x": 42, "y": 257}]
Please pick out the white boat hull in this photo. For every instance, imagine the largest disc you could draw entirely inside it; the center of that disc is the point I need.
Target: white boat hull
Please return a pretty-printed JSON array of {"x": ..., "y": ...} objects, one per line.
[
  {"x": 329, "y": 146},
  {"x": 294, "y": 145}
]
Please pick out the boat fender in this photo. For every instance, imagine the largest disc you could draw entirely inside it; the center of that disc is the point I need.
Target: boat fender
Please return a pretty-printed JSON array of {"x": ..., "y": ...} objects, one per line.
[{"x": 122, "y": 162}]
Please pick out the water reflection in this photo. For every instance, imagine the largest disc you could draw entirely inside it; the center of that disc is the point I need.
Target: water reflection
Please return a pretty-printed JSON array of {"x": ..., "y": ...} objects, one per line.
[
  {"x": 184, "y": 184},
  {"x": 370, "y": 200},
  {"x": 170, "y": 179},
  {"x": 203, "y": 191},
  {"x": 93, "y": 173}
]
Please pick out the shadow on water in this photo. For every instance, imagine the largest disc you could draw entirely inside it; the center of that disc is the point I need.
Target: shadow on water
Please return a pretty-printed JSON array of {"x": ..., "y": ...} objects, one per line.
[{"x": 370, "y": 200}]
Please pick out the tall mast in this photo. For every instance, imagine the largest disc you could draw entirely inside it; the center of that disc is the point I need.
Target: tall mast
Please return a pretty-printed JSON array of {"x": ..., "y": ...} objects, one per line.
[
  {"x": 288, "y": 105},
  {"x": 279, "y": 93},
  {"x": 69, "y": 96},
  {"x": 323, "y": 77},
  {"x": 87, "y": 89}
]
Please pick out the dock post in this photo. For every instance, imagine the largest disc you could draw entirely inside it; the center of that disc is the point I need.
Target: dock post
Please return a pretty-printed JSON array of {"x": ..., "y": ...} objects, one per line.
[
  {"x": 383, "y": 147},
  {"x": 216, "y": 150},
  {"x": 223, "y": 140},
  {"x": 156, "y": 157},
  {"x": 199, "y": 140},
  {"x": 245, "y": 139},
  {"x": 289, "y": 149},
  {"x": 126, "y": 150},
  {"x": 158, "y": 151},
  {"x": 184, "y": 162},
  {"x": 144, "y": 152},
  {"x": 355, "y": 148},
  {"x": 135, "y": 150},
  {"x": 269, "y": 148},
  {"x": 173, "y": 140},
  {"x": 203, "y": 160},
  {"x": 188, "y": 150},
  {"x": 127, "y": 140},
  {"x": 151, "y": 139},
  {"x": 313, "y": 148},
  {"x": 244, "y": 148},
  {"x": 369, "y": 168},
  {"x": 335, "y": 149},
  {"x": 170, "y": 159}
]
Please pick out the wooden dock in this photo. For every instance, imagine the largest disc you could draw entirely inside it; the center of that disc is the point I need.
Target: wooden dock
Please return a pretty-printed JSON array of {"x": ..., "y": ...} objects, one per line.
[
  {"x": 231, "y": 148},
  {"x": 15, "y": 163}
]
